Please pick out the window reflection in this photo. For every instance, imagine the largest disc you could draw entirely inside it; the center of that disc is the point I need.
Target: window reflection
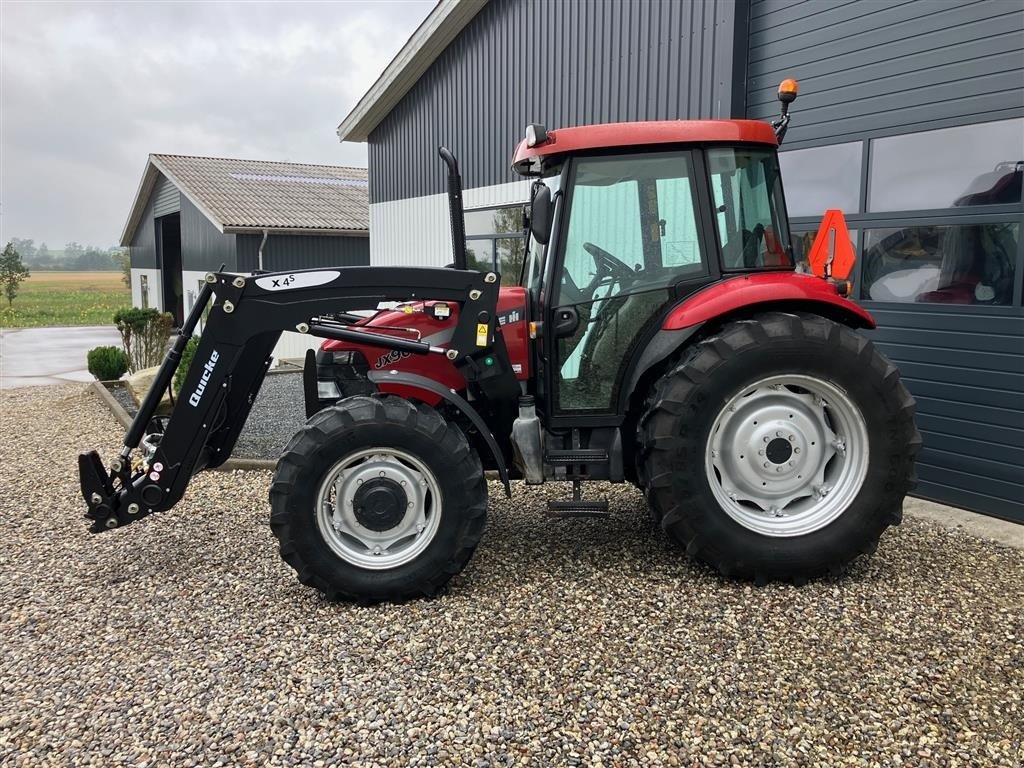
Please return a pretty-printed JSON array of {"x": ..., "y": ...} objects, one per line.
[
  {"x": 952, "y": 167},
  {"x": 962, "y": 264},
  {"x": 496, "y": 241},
  {"x": 802, "y": 242},
  {"x": 821, "y": 178}
]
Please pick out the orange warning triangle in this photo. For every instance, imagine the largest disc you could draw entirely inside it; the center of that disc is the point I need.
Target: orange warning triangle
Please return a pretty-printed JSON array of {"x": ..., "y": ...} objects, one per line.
[{"x": 832, "y": 253}]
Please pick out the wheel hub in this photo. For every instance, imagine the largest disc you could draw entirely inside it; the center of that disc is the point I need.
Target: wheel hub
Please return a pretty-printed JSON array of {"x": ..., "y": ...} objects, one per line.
[
  {"x": 379, "y": 508},
  {"x": 379, "y": 504},
  {"x": 779, "y": 447},
  {"x": 779, "y": 450}
]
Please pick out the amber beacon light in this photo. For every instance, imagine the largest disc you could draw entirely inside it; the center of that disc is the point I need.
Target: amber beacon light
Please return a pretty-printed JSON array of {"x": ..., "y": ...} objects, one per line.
[{"x": 788, "y": 89}]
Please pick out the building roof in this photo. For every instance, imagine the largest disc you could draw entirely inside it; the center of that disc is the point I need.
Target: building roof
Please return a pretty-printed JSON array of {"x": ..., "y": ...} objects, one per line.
[
  {"x": 429, "y": 41},
  {"x": 239, "y": 196}
]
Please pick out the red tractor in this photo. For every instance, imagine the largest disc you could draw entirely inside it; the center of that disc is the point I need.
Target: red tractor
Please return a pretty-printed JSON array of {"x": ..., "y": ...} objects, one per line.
[{"x": 658, "y": 334}]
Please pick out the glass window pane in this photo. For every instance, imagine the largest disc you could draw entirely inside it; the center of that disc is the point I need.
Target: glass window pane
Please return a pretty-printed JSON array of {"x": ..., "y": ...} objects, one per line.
[
  {"x": 593, "y": 360},
  {"x": 510, "y": 252},
  {"x": 480, "y": 255},
  {"x": 748, "y": 201},
  {"x": 962, "y": 264},
  {"x": 821, "y": 178},
  {"x": 495, "y": 221},
  {"x": 802, "y": 242},
  {"x": 632, "y": 226},
  {"x": 949, "y": 168}
]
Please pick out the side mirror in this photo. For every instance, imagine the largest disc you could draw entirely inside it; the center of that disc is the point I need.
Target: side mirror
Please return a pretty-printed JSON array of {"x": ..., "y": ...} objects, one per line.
[{"x": 541, "y": 213}]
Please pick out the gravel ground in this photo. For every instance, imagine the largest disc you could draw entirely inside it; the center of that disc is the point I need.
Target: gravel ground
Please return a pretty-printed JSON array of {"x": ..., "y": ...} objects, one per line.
[
  {"x": 185, "y": 640},
  {"x": 277, "y": 414}
]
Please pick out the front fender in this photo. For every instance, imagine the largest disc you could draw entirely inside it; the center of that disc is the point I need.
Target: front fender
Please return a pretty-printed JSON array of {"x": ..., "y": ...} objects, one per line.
[{"x": 427, "y": 389}]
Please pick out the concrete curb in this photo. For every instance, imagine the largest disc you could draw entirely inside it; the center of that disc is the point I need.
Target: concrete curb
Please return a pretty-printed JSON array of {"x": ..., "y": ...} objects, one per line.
[
  {"x": 122, "y": 416},
  {"x": 111, "y": 402},
  {"x": 981, "y": 526}
]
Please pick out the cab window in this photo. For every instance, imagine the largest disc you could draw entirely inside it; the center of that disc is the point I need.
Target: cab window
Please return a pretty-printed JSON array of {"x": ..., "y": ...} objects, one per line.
[
  {"x": 749, "y": 209},
  {"x": 632, "y": 234}
]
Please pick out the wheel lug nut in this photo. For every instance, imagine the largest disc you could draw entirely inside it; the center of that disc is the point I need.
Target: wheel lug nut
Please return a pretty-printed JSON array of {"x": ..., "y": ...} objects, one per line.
[
  {"x": 766, "y": 438},
  {"x": 796, "y": 450},
  {"x": 778, "y": 434},
  {"x": 760, "y": 453},
  {"x": 767, "y": 464}
]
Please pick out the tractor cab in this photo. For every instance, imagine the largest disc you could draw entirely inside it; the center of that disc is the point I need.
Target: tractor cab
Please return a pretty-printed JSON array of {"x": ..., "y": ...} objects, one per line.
[{"x": 628, "y": 220}]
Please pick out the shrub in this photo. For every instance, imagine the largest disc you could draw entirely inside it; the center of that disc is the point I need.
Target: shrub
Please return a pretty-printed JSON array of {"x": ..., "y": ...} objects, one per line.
[
  {"x": 186, "y": 360},
  {"x": 107, "y": 363},
  {"x": 144, "y": 334}
]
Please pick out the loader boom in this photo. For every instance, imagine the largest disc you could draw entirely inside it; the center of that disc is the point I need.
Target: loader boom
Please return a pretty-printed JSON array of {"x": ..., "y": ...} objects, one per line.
[{"x": 247, "y": 316}]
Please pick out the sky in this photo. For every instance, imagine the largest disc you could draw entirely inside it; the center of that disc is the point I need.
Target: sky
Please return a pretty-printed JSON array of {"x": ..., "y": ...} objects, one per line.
[{"x": 89, "y": 89}]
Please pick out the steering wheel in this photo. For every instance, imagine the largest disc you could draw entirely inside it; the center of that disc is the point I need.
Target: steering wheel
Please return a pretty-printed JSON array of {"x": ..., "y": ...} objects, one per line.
[
  {"x": 752, "y": 245},
  {"x": 607, "y": 266}
]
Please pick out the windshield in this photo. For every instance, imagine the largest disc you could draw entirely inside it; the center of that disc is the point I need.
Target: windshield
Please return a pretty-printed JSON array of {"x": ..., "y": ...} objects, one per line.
[{"x": 749, "y": 208}]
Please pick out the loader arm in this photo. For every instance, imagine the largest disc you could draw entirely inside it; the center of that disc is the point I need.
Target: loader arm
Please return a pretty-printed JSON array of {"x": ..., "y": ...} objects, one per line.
[{"x": 246, "y": 317}]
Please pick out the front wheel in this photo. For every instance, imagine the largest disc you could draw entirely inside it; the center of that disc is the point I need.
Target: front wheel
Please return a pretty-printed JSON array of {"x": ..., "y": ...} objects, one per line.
[
  {"x": 377, "y": 498},
  {"x": 779, "y": 449}
]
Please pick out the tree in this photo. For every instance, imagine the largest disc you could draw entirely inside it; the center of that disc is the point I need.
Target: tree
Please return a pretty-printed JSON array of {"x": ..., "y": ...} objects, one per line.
[
  {"x": 43, "y": 257},
  {"x": 124, "y": 262},
  {"x": 26, "y": 248},
  {"x": 12, "y": 272}
]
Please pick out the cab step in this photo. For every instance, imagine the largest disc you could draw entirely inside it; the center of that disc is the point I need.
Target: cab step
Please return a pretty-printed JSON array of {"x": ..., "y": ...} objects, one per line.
[
  {"x": 570, "y": 508},
  {"x": 577, "y": 456},
  {"x": 577, "y": 506}
]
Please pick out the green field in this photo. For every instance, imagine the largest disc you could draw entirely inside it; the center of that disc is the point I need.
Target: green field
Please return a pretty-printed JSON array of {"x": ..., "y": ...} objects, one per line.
[{"x": 66, "y": 298}]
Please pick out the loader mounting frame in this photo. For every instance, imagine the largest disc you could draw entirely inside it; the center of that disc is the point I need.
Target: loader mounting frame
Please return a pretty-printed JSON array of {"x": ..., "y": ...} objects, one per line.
[{"x": 247, "y": 315}]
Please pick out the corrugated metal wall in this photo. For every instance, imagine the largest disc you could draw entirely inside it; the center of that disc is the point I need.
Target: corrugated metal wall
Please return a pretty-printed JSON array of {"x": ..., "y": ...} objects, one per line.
[
  {"x": 165, "y": 196},
  {"x": 966, "y": 370},
  {"x": 142, "y": 251},
  {"x": 560, "y": 63},
  {"x": 881, "y": 68},
  {"x": 876, "y": 67},
  {"x": 283, "y": 252},
  {"x": 203, "y": 246}
]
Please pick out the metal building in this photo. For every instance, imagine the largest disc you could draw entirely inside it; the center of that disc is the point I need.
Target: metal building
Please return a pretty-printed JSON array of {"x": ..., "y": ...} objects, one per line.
[
  {"x": 910, "y": 119},
  {"x": 193, "y": 214}
]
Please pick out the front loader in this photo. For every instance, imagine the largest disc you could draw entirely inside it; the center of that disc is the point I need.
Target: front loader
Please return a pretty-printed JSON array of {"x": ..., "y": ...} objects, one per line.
[{"x": 658, "y": 333}]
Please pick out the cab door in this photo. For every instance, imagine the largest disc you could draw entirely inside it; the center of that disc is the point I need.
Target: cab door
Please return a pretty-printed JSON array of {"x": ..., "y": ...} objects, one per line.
[{"x": 630, "y": 236}]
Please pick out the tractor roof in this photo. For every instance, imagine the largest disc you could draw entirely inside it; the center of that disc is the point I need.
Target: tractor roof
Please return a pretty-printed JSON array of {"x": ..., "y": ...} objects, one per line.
[{"x": 631, "y": 135}]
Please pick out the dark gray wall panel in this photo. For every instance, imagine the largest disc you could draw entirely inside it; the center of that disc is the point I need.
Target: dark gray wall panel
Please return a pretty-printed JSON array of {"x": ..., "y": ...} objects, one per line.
[
  {"x": 886, "y": 66},
  {"x": 559, "y": 63},
  {"x": 283, "y": 252},
  {"x": 203, "y": 247},
  {"x": 142, "y": 250},
  {"x": 969, "y": 386},
  {"x": 166, "y": 197}
]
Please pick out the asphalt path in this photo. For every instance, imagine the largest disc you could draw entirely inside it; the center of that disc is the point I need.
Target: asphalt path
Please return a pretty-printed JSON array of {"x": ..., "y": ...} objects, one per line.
[{"x": 33, "y": 357}]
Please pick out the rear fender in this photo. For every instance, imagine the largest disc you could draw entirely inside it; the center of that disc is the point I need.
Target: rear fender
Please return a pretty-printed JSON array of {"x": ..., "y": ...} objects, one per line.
[
  {"x": 766, "y": 290},
  {"x": 697, "y": 315}
]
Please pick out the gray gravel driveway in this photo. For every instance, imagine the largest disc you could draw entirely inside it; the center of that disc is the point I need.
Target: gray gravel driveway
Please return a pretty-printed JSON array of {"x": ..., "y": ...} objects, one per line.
[{"x": 185, "y": 640}]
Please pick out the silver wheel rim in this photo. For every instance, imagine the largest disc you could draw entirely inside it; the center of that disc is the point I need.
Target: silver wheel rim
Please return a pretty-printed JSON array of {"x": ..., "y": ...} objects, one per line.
[
  {"x": 344, "y": 531},
  {"x": 787, "y": 455}
]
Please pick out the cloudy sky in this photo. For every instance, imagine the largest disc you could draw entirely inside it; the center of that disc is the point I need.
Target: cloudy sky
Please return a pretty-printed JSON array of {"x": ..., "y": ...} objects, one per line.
[{"x": 89, "y": 89}]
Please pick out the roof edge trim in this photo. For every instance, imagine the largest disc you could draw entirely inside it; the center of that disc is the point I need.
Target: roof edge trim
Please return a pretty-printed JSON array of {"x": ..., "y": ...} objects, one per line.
[
  {"x": 429, "y": 41},
  {"x": 237, "y": 230}
]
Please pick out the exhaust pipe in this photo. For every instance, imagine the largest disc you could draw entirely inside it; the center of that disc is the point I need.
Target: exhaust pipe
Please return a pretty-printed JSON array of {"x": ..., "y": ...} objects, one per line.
[{"x": 455, "y": 207}]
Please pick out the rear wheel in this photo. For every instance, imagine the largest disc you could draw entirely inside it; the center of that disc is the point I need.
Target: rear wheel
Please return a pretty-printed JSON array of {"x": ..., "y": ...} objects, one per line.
[
  {"x": 780, "y": 448},
  {"x": 378, "y": 499}
]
